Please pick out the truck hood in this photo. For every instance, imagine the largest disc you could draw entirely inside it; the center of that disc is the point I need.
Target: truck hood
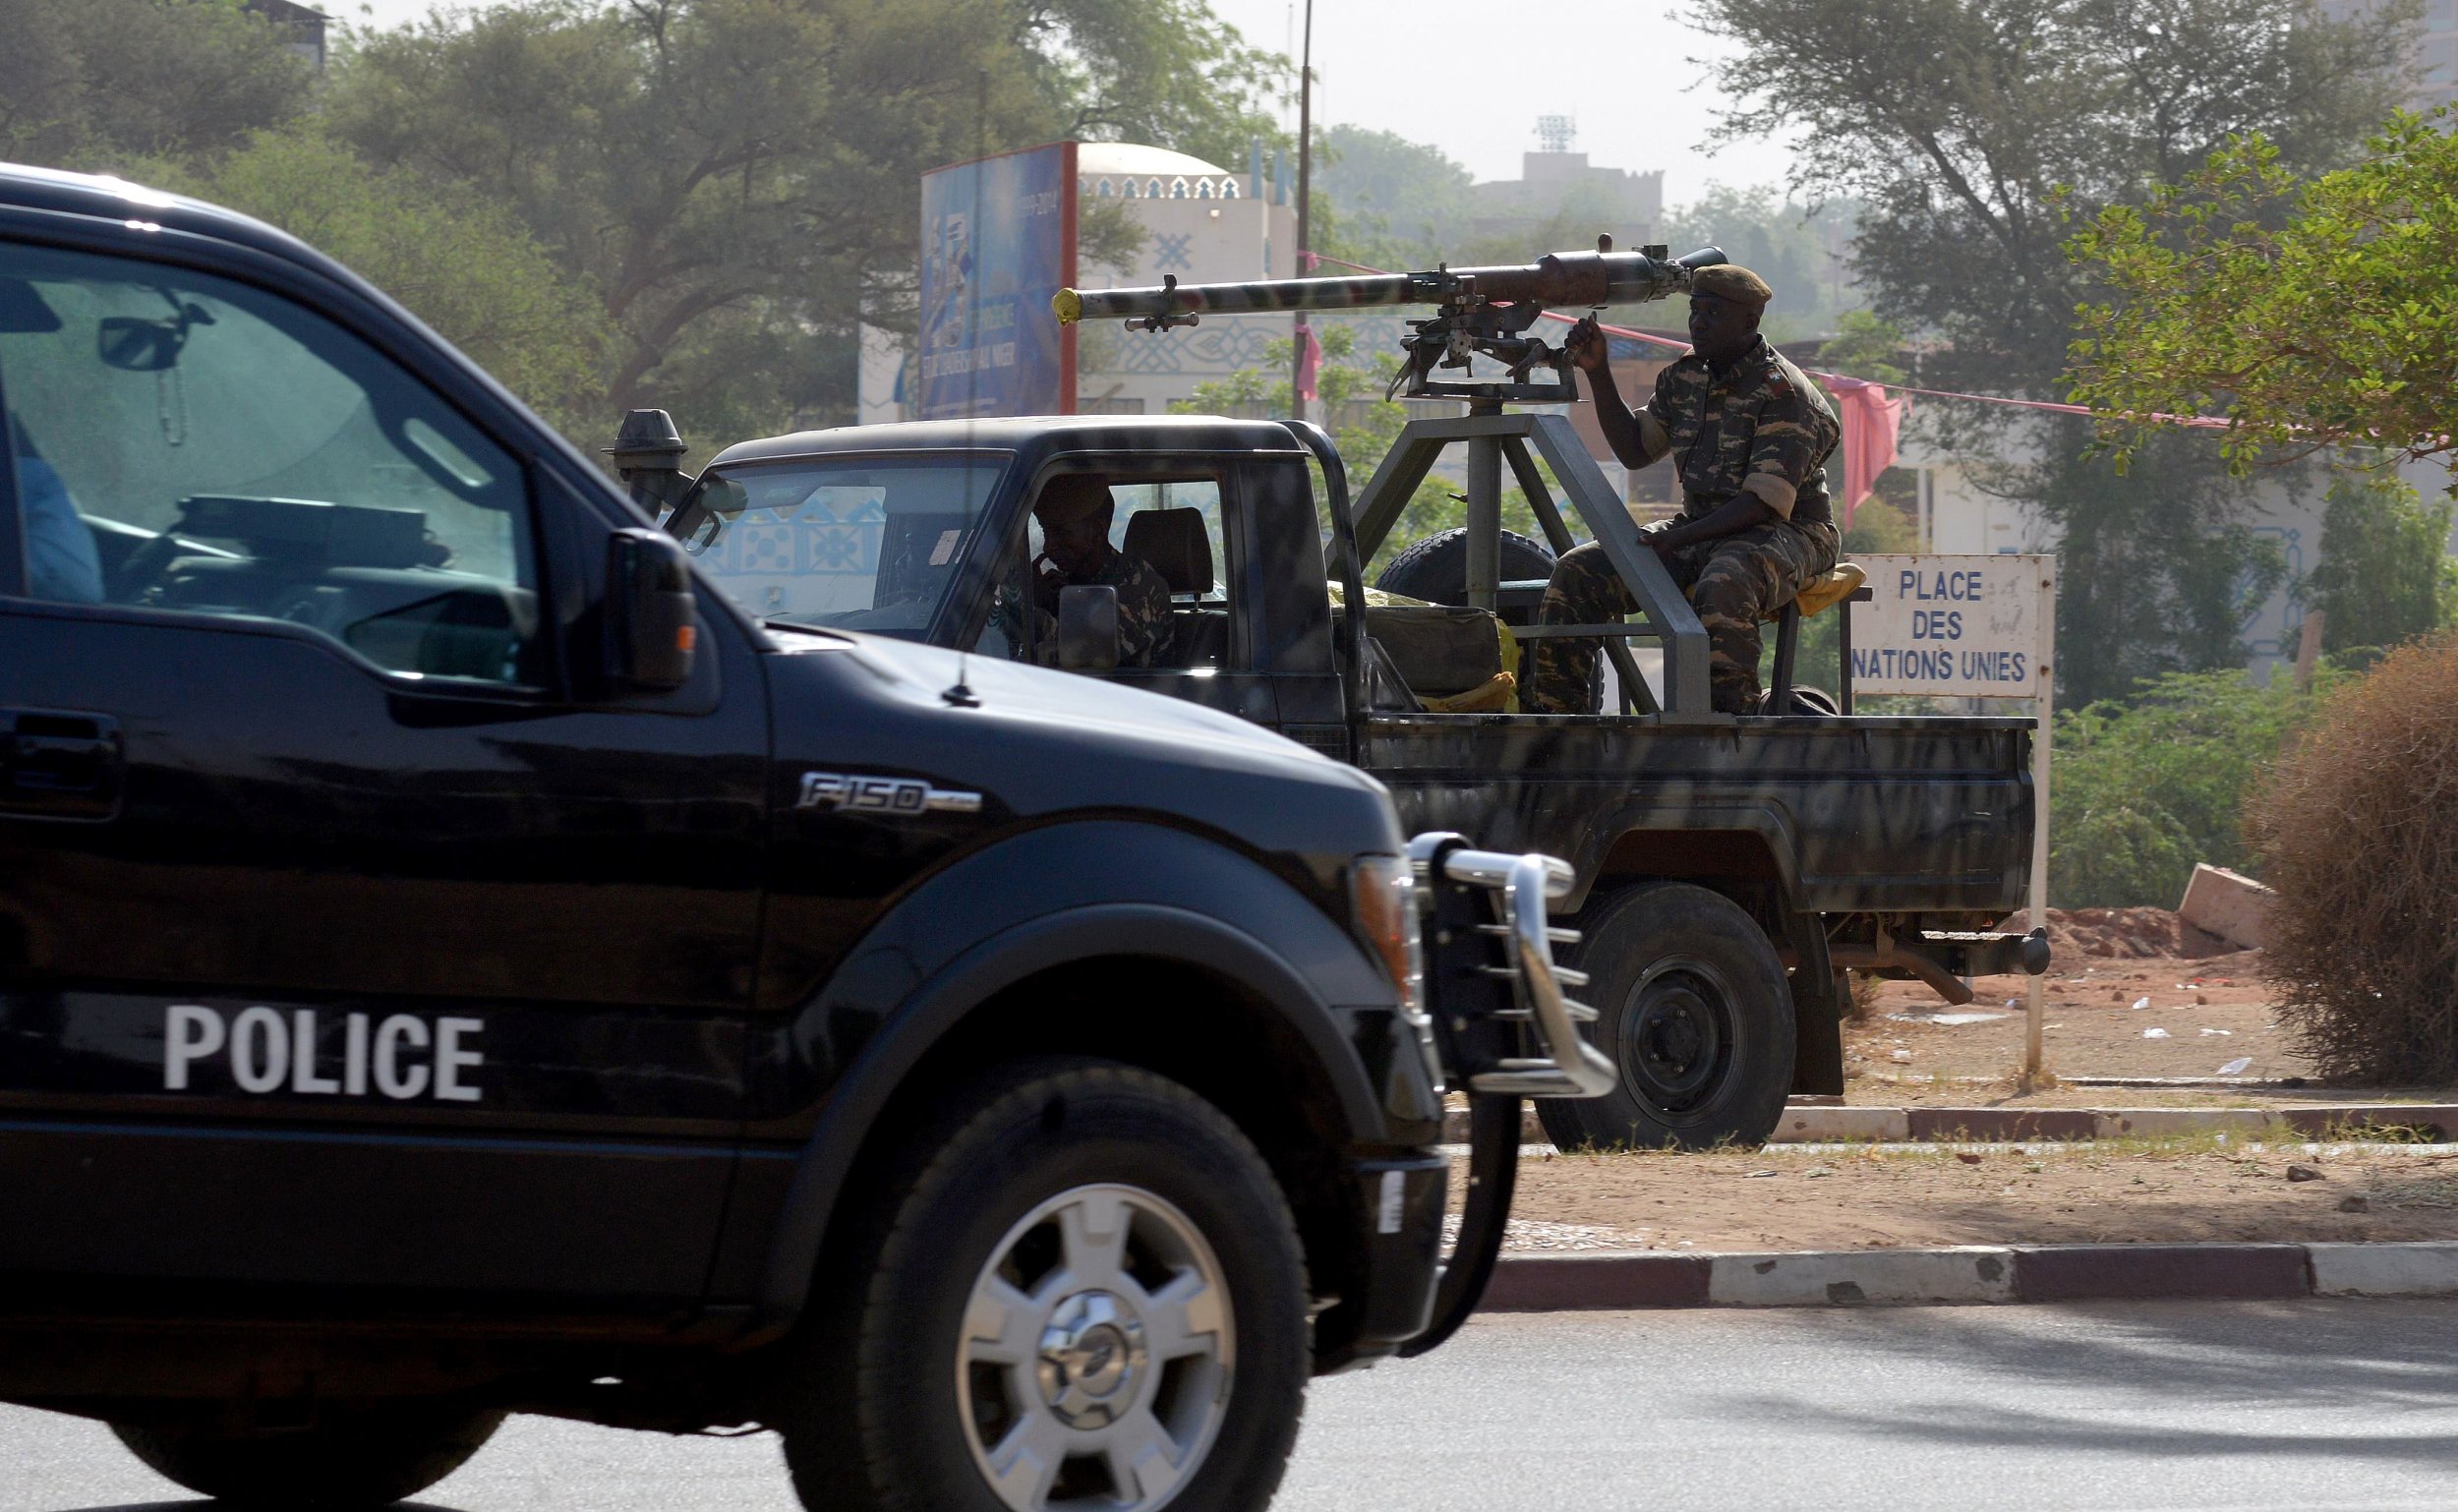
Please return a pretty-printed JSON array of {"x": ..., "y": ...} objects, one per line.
[
  {"x": 1042, "y": 744},
  {"x": 1014, "y": 690}
]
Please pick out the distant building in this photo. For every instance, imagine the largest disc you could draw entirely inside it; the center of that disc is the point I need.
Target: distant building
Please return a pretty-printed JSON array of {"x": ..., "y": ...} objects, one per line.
[
  {"x": 303, "y": 29},
  {"x": 1629, "y": 204},
  {"x": 1204, "y": 224}
]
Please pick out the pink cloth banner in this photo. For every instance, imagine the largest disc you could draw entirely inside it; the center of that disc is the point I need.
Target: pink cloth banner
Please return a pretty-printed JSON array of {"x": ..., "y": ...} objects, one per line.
[{"x": 1872, "y": 420}]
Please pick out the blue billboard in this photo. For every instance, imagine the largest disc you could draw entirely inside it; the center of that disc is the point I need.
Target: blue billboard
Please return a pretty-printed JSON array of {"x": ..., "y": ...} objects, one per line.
[{"x": 998, "y": 240}]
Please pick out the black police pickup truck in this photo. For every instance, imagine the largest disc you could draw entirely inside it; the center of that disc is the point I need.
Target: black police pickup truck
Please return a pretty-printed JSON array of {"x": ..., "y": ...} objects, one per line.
[
  {"x": 453, "y": 962},
  {"x": 1724, "y": 869}
]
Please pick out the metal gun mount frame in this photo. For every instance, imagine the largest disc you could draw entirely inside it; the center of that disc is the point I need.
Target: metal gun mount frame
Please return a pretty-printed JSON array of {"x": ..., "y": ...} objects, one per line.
[
  {"x": 1494, "y": 439},
  {"x": 1459, "y": 332}
]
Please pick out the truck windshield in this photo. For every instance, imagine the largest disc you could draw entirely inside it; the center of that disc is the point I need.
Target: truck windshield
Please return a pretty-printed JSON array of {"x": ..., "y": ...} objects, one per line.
[{"x": 859, "y": 544}]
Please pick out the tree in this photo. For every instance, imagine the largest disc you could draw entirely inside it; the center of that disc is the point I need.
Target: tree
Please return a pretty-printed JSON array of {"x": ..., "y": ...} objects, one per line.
[
  {"x": 86, "y": 83},
  {"x": 738, "y": 179},
  {"x": 1968, "y": 128},
  {"x": 2384, "y": 577},
  {"x": 1164, "y": 72},
  {"x": 1784, "y": 242},
  {"x": 1386, "y": 202},
  {"x": 2314, "y": 311},
  {"x": 465, "y": 268}
]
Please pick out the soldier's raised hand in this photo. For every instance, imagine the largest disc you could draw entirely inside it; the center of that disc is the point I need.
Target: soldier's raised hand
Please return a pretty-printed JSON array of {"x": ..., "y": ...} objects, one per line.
[{"x": 1586, "y": 345}]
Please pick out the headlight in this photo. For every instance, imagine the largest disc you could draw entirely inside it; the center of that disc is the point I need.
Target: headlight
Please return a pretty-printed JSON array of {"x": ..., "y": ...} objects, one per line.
[{"x": 1385, "y": 899}]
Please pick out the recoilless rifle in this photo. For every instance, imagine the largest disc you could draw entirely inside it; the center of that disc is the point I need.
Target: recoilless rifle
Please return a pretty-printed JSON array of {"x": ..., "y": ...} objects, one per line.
[{"x": 1480, "y": 311}]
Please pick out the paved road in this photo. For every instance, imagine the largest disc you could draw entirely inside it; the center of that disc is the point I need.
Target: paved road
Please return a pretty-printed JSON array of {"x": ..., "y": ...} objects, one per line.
[{"x": 2310, "y": 1406}]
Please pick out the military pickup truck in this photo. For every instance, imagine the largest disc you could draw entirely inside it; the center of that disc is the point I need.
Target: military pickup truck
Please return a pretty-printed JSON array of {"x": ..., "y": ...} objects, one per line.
[
  {"x": 453, "y": 962},
  {"x": 1724, "y": 869}
]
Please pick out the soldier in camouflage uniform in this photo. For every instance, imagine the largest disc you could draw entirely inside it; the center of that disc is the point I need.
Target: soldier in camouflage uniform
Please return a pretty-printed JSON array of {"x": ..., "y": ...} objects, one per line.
[
  {"x": 1075, "y": 511},
  {"x": 1750, "y": 435}
]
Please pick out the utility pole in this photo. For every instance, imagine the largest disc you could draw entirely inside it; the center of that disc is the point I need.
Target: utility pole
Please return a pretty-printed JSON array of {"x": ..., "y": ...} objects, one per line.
[{"x": 1304, "y": 191}]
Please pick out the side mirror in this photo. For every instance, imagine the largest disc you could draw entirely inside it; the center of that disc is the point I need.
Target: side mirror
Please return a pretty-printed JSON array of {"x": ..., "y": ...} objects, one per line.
[
  {"x": 1087, "y": 629},
  {"x": 652, "y": 619}
]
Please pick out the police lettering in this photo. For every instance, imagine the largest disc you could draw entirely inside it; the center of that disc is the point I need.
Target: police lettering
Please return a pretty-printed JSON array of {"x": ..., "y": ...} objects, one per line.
[{"x": 270, "y": 1050}]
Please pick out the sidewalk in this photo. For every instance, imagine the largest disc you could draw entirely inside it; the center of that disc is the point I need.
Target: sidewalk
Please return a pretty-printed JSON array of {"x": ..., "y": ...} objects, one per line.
[
  {"x": 2019, "y": 1273},
  {"x": 2434, "y": 1123}
]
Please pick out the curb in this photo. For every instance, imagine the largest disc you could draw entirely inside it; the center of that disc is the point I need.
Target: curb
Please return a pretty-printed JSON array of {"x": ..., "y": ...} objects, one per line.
[
  {"x": 2429, "y": 1123},
  {"x": 1968, "y": 1274}
]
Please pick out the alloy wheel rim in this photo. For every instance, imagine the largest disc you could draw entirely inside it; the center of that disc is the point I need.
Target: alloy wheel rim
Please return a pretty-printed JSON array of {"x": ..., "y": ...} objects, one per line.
[{"x": 1093, "y": 1367}]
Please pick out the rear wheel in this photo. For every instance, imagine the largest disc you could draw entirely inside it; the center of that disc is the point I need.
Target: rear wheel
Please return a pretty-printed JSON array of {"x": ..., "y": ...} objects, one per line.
[
  {"x": 1695, "y": 1010},
  {"x": 1088, "y": 1294},
  {"x": 365, "y": 1455}
]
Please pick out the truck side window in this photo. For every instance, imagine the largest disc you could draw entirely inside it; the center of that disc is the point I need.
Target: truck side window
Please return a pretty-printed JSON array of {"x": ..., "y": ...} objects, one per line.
[
  {"x": 1171, "y": 528},
  {"x": 186, "y": 443}
]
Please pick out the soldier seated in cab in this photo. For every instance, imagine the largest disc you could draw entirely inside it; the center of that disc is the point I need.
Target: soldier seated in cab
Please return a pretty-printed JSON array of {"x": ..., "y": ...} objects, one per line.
[{"x": 1074, "y": 512}]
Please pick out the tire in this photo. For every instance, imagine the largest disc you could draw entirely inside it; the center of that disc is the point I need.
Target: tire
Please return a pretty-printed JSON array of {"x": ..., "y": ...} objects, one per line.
[
  {"x": 1694, "y": 1007},
  {"x": 1805, "y": 699},
  {"x": 365, "y": 1455},
  {"x": 991, "y": 1349},
  {"x": 1436, "y": 569}
]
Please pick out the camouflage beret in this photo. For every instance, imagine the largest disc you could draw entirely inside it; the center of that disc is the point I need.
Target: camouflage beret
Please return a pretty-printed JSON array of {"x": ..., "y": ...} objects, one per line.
[{"x": 1727, "y": 280}]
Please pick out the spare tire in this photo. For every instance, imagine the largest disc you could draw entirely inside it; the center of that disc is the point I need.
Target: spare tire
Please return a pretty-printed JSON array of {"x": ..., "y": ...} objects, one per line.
[{"x": 1436, "y": 569}]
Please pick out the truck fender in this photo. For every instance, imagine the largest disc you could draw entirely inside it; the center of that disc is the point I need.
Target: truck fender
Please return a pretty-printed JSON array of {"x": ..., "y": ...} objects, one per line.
[
  {"x": 1217, "y": 938},
  {"x": 1637, "y": 822}
]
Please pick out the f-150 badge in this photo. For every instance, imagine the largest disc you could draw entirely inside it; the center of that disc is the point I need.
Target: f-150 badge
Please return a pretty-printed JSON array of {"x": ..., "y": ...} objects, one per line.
[{"x": 882, "y": 796}]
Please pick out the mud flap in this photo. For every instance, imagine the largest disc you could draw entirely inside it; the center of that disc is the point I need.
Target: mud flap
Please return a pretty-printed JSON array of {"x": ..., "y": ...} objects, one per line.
[{"x": 1817, "y": 1014}]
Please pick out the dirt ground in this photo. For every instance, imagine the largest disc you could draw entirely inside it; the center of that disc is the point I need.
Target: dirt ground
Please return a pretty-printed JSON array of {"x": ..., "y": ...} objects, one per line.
[
  {"x": 2118, "y": 974},
  {"x": 2130, "y": 1193}
]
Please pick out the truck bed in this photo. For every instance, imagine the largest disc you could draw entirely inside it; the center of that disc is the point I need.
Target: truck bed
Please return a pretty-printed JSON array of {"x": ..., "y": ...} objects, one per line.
[{"x": 1919, "y": 814}]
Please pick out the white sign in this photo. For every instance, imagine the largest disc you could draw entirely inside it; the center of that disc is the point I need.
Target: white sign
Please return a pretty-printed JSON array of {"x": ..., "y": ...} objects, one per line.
[{"x": 1953, "y": 627}]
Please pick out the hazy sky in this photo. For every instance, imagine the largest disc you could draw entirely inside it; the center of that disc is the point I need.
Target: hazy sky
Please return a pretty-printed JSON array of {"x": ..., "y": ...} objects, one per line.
[{"x": 1646, "y": 108}]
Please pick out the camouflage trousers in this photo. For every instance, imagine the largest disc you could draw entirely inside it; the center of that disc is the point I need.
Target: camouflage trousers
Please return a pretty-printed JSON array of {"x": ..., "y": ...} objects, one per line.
[{"x": 1734, "y": 582}]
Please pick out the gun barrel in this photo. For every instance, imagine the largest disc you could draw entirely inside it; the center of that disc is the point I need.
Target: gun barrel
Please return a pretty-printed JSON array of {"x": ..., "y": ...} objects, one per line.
[{"x": 1557, "y": 278}]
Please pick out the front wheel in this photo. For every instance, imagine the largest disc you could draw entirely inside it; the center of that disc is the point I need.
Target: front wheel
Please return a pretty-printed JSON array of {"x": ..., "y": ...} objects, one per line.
[
  {"x": 1694, "y": 1009},
  {"x": 1087, "y": 1293},
  {"x": 367, "y": 1455}
]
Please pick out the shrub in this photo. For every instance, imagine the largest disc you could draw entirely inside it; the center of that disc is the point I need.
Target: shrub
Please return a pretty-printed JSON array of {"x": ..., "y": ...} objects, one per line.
[
  {"x": 2357, "y": 830},
  {"x": 2141, "y": 790}
]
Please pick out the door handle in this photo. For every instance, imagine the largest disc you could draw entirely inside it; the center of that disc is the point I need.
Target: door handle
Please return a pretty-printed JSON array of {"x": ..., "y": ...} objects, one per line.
[{"x": 60, "y": 764}]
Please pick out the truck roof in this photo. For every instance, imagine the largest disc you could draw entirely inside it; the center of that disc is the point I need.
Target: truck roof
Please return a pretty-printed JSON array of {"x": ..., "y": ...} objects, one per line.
[
  {"x": 1034, "y": 436},
  {"x": 116, "y": 199}
]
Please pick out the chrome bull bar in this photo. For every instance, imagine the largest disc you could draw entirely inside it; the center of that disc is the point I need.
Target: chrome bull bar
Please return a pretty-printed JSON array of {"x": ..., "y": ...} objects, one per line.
[{"x": 1570, "y": 1066}]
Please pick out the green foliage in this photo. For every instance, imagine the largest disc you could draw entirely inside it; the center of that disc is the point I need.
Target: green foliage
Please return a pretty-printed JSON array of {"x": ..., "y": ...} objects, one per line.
[
  {"x": 1164, "y": 72},
  {"x": 1864, "y": 346},
  {"x": 1878, "y": 528},
  {"x": 2384, "y": 576},
  {"x": 1783, "y": 241},
  {"x": 469, "y": 270},
  {"x": 91, "y": 84},
  {"x": 1386, "y": 202},
  {"x": 1966, "y": 128},
  {"x": 2139, "y": 791},
  {"x": 2314, "y": 311},
  {"x": 737, "y": 180}
]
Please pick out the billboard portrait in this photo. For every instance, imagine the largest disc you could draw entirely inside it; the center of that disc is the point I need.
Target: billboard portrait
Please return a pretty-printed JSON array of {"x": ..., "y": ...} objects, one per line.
[{"x": 998, "y": 240}]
